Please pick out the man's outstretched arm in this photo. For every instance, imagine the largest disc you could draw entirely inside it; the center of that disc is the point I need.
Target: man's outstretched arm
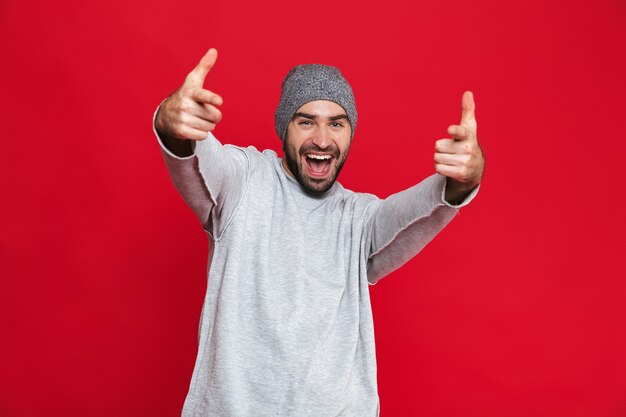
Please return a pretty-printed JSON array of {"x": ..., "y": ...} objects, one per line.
[
  {"x": 405, "y": 222},
  {"x": 207, "y": 175}
]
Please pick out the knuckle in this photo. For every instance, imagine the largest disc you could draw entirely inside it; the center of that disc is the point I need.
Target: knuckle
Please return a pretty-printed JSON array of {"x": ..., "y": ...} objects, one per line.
[
  {"x": 179, "y": 132},
  {"x": 183, "y": 118},
  {"x": 186, "y": 93},
  {"x": 442, "y": 144},
  {"x": 212, "y": 115},
  {"x": 204, "y": 96},
  {"x": 193, "y": 135},
  {"x": 184, "y": 133},
  {"x": 184, "y": 107}
]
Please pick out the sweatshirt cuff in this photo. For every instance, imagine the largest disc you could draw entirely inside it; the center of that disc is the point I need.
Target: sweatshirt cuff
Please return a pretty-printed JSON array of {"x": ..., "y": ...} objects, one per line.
[
  {"x": 163, "y": 147},
  {"x": 463, "y": 203}
]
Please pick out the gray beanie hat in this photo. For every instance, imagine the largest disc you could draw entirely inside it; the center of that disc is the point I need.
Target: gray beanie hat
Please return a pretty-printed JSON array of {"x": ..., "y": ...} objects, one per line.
[{"x": 312, "y": 82}]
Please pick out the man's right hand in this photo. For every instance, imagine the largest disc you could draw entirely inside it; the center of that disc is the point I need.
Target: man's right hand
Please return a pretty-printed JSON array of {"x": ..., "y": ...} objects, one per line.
[{"x": 191, "y": 112}]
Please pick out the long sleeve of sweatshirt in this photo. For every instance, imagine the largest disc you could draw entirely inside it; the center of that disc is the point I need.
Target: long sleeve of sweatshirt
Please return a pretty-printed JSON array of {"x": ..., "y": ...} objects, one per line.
[
  {"x": 405, "y": 222},
  {"x": 213, "y": 201}
]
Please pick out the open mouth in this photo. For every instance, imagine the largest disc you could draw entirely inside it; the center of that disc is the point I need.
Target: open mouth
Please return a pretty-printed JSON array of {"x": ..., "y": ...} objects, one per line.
[{"x": 318, "y": 164}]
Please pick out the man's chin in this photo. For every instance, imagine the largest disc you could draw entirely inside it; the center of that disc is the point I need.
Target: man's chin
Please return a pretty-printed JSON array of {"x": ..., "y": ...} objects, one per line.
[{"x": 315, "y": 185}]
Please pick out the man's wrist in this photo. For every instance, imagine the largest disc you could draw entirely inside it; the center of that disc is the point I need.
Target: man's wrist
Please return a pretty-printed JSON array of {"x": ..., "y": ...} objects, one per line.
[
  {"x": 456, "y": 192},
  {"x": 181, "y": 148}
]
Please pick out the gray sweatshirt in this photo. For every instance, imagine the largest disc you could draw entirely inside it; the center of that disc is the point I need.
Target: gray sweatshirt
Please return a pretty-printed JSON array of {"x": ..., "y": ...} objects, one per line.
[{"x": 286, "y": 326}]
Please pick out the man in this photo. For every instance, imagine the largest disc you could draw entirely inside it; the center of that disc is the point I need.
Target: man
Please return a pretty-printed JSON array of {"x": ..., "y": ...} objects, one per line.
[{"x": 286, "y": 327}]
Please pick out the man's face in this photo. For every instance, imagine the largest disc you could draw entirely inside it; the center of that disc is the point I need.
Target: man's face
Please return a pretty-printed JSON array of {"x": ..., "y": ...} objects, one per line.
[{"x": 317, "y": 144}]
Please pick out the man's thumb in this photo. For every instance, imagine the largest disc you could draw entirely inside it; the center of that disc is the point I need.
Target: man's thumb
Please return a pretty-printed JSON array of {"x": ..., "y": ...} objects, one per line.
[
  {"x": 198, "y": 74},
  {"x": 468, "y": 118}
]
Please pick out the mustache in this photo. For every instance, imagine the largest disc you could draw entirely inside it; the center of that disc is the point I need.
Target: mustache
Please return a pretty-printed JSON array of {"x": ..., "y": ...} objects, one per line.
[{"x": 333, "y": 149}]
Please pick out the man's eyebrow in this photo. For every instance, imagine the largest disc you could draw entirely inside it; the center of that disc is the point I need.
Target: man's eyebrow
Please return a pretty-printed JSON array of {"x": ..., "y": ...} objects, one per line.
[
  {"x": 305, "y": 115},
  {"x": 313, "y": 116}
]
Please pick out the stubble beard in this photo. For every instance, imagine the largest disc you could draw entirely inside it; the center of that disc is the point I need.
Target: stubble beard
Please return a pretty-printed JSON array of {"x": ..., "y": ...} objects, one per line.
[{"x": 313, "y": 185}]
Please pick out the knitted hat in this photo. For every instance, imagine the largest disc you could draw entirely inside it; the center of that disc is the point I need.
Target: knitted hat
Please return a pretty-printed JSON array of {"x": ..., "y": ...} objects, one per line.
[{"x": 312, "y": 82}]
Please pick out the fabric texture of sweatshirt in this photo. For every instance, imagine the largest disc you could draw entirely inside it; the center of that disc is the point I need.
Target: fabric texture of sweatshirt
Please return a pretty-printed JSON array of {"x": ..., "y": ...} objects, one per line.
[{"x": 286, "y": 327}]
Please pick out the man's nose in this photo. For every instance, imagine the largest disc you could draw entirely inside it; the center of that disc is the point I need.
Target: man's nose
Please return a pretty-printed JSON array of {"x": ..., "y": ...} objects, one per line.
[{"x": 322, "y": 138}]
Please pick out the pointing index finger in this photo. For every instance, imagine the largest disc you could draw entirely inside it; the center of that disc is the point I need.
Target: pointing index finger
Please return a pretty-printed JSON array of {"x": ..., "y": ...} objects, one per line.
[
  {"x": 206, "y": 96},
  {"x": 459, "y": 132}
]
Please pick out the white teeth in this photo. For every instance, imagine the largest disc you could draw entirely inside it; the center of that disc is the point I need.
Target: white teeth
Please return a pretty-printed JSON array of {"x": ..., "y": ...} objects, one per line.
[{"x": 318, "y": 156}]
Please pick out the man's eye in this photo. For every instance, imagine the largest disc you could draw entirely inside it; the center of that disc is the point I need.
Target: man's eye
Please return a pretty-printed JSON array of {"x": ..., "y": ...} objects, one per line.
[
  {"x": 304, "y": 122},
  {"x": 336, "y": 124}
]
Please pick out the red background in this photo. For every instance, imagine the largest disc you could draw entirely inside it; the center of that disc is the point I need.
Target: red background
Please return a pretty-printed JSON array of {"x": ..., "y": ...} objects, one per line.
[{"x": 516, "y": 309}]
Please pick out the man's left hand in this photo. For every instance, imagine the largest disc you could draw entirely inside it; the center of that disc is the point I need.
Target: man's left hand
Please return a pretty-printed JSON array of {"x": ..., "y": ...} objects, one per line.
[{"x": 460, "y": 158}]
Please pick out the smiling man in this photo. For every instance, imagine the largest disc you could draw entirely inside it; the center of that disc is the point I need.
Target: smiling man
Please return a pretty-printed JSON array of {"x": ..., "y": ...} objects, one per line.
[
  {"x": 286, "y": 326},
  {"x": 319, "y": 141}
]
